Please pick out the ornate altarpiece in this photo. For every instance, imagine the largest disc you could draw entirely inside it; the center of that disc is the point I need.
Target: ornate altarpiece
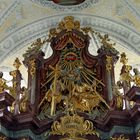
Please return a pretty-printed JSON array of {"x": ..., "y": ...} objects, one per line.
[{"x": 71, "y": 95}]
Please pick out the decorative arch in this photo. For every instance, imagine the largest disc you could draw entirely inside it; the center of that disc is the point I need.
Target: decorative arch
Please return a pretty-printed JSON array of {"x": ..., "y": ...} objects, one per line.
[{"x": 18, "y": 39}]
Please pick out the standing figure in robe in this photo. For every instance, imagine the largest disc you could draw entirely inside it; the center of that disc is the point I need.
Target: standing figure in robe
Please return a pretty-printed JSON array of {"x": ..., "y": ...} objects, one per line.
[{"x": 3, "y": 84}]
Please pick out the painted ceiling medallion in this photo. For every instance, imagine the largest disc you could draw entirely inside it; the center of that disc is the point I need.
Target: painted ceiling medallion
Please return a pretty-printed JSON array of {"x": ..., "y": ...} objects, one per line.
[
  {"x": 68, "y": 2},
  {"x": 67, "y": 5}
]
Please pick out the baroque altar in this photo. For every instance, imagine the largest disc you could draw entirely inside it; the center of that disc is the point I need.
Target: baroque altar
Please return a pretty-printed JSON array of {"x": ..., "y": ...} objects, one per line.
[{"x": 72, "y": 95}]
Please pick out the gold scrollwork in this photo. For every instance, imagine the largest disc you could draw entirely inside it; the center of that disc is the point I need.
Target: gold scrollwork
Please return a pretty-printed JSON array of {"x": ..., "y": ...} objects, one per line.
[
  {"x": 108, "y": 63},
  {"x": 105, "y": 40},
  {"x": 38, "y": 43},
  {"x": 32, "y": 69},
  {"x": 67, "y": 24},
  {"x": 123, "y": 59},
  {"x": 17, "y": 63},
  {"x": 72, "y": 126}
]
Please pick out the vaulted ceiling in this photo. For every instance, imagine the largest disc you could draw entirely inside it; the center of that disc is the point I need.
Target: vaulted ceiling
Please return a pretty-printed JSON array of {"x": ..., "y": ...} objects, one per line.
[{"x": 22, "y": 21}]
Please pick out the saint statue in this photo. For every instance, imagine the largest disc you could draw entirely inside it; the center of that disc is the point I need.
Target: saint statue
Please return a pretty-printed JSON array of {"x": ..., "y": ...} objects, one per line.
[
  {"x": 136, "y": 77},
  {"x": 24, "y": 99},
  {"x": 3, "y": 84}
]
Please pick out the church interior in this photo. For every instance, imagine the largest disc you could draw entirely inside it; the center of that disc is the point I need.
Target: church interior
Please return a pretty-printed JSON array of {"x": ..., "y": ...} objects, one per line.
[{"x": 69, "y": 69}]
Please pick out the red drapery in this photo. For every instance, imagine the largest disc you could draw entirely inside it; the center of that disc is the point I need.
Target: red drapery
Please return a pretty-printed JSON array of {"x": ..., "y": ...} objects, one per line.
[{"x": 79, "y": 43}]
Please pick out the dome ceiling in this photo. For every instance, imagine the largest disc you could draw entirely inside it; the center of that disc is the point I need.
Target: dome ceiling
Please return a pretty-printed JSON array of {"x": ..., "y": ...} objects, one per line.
[{"x": 23, "y": 21}]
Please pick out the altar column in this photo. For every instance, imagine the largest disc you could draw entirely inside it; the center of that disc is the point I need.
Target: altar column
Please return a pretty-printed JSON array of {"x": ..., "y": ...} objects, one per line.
[{"x": 108, "y": 56}]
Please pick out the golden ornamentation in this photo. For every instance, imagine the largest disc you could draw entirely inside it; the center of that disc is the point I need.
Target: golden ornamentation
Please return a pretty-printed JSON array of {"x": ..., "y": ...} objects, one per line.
[
  {"x": 38, "y": 43},
  {"x": 67, "y": 24},
  {"x": 35, "y": 47},
  {"x": 123, "y": 59},
  {"x": 108, "y": 63},
  {"x": 70, "y": 24},
  {"x": 136, "y": 77},
  {"x": 121, "y": 137},
  {"x": 105, "y": 40},
  {"x": 86, "y": 30},
  {"x": 12, "y": 108},
  {"x": 17, "y": 63},
  {"x": 73, "y": 126},
  {"x": 82, "y": 97},
  {"x": 78, "y": 82},
  {"x": 32, "y": 69},
  {"x": 53, "y": 33},
  {"x": 126, "y": 76}
]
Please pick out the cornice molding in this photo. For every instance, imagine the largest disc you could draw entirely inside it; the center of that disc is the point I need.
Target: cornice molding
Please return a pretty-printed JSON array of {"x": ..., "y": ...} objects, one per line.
[{"x": 22, "y": 36}]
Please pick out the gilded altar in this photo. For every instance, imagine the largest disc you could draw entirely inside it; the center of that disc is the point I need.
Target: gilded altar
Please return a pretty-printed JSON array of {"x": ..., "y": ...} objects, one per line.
[{"x": 72, "y": 95}]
